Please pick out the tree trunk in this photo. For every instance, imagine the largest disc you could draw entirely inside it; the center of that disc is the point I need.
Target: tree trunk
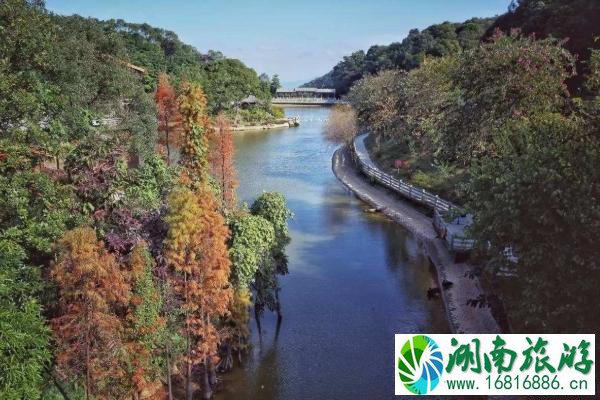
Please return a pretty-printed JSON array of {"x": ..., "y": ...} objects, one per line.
[
  {"x": 168, "y": 148},
  {"x": 206, "y": 388},
  {"x": 87, "y": 363},
  {"x": 169, "y": 383},
  {"x": 189, "y": 390},
  {"x": 212, "y": 373},
  {"x": 257, "y": 319},
  {"x": 279, "y": 314}
]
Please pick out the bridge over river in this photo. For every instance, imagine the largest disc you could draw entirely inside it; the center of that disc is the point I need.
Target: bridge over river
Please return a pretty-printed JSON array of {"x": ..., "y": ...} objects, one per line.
[{"x": 307, "y": 96}]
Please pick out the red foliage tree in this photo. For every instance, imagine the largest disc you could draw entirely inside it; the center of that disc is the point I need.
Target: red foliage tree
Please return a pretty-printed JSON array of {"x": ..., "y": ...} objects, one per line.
[
  {"x": 169, "y": 119},
  {"x": 221, "y": 160},
  {"x": 92, "y": 291}
]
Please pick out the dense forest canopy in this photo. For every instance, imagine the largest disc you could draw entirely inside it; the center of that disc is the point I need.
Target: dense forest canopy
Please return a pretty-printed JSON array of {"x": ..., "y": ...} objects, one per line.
[
  {"x": 118, "y": 267},
  {"x": 574, "y": 20},
  {"x": 224, "y": 80}
]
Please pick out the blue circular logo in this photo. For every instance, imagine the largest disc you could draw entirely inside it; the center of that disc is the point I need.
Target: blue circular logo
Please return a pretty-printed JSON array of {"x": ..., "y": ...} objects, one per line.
[{"x": 420, "y": 364}]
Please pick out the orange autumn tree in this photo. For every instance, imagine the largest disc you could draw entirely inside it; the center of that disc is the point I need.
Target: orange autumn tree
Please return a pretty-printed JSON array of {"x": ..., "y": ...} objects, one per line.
[
  {"x": 221, "y": 160},
  {"x": 169, "y": 119},
  {"x": 196, "y": 132},
  {"x": 196, "y": 250},
  {"x": 88, "y": 329}
]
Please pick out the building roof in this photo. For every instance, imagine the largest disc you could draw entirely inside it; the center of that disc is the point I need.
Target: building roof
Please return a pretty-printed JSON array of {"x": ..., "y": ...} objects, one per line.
[{"x": 306, "y": 89}]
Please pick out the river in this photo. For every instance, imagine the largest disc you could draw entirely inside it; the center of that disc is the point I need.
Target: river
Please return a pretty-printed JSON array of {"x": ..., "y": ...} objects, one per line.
[{"x": 354, "y": 278}]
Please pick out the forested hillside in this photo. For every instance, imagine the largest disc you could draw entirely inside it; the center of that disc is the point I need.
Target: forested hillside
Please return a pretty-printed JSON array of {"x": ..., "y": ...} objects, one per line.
[
  {"x": 224, "y": 80},
  {"x": 575, "y": 21},
  {"x": 437, "y": 40},
  {"x": 124, "y": 273},
  {"x": 510, "y": 129}
]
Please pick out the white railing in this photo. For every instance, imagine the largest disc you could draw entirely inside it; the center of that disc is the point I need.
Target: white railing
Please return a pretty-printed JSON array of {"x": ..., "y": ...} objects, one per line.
[
  {"x": 304, "y": 100},
  {"x": 455, "y": 242}
]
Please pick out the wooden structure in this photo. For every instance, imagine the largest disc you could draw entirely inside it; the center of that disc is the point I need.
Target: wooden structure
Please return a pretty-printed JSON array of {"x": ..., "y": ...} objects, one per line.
[
  {"x": 247, "y": 102},
  {"x": 306, "y": 96},
  {"x": 449, "y": 220}
]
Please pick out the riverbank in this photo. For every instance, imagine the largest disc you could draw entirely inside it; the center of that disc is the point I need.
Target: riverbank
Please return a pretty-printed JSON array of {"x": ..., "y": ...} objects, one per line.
[
  {"x": 288, "y": 123},
  {"x": 462, "y": 318}
]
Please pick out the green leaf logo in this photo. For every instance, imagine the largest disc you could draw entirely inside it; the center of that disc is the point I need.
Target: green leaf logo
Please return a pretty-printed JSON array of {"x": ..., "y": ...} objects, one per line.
[{"x": 420, "y": 364}]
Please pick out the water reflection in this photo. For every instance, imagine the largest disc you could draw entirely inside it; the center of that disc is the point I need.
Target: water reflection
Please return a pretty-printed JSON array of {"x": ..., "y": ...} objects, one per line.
[{"x": 355, "y": 278}]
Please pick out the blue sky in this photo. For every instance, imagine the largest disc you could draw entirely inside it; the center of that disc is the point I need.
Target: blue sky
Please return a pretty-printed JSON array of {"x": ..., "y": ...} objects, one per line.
[{"x": 298, "y": 39}]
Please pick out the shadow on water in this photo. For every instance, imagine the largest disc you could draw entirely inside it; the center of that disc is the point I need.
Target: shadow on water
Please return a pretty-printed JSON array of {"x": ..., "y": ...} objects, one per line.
[{"x": 355, "y": 279}]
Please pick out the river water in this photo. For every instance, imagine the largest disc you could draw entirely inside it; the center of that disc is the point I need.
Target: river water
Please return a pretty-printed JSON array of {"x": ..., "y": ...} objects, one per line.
[{"x": 354, "y": 278}]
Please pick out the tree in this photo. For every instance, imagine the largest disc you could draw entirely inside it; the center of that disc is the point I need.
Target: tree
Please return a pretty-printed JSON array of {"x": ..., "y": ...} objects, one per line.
[
  {"x": 376, "y": 99},
  {"x": 196, "y": 128},
  {"x": 25, "y": 45},
  {"x": 341, "y": 125},
  {"x": 437, "y": 40},
  {"x": 250, "y": 250},
  {"x": 251, "y": 244},
  {"x": 88, "y": 330},
  {"x": 34, "y": 208},
  {"x": 146, "y": 330},
  {"x": 534, "y": 74},
  {"x": 541, "y": 200},
  {"x": 222, "y": 162},
  {"x": 195, "y": 249},
  {"x": 275, "y": 84},
  {"x": 169, "y": 119},
  {"x": 228, "y": 81},
  {"x": 271, "y": 206},
  {"x": 24, "y": 336}
]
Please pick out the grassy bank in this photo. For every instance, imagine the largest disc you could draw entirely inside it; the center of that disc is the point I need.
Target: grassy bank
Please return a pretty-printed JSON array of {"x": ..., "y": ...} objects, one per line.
[{"x": 445, "y": 180}]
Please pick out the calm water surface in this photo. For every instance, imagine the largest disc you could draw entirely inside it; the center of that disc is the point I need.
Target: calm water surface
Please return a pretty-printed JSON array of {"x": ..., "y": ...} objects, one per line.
[{"x": 355, "y": 279}]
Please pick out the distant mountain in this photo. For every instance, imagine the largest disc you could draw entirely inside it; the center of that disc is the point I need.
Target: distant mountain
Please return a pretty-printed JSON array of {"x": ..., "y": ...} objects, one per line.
[{"x": 436, "y": 40}]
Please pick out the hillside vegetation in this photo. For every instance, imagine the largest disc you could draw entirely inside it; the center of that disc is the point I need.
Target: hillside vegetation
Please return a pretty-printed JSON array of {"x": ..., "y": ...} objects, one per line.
[
  {"x": 125, "y": 273},
  {"x": 510, "y": 129},
  {"x": 437, "y": 40}
]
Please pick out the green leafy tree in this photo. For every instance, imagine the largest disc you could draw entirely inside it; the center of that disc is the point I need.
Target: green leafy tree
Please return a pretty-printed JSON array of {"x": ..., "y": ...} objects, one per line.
[
  {"x": 252, "y": 238},
  {"x": 24, "y": 336},
  {"x": 35, "y": 210},
  {"x": 533, "y": 75},
  {"x": 275, "y": 84},
  {"x": 272, "y": 207},
  {"x": 540, "y": 199},
  {"x": 250, "y": 250}
]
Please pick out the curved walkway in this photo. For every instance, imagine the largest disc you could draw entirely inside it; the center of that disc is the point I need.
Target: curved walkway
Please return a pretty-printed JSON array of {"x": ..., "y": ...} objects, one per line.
[{"x": 461, "y": 317}]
